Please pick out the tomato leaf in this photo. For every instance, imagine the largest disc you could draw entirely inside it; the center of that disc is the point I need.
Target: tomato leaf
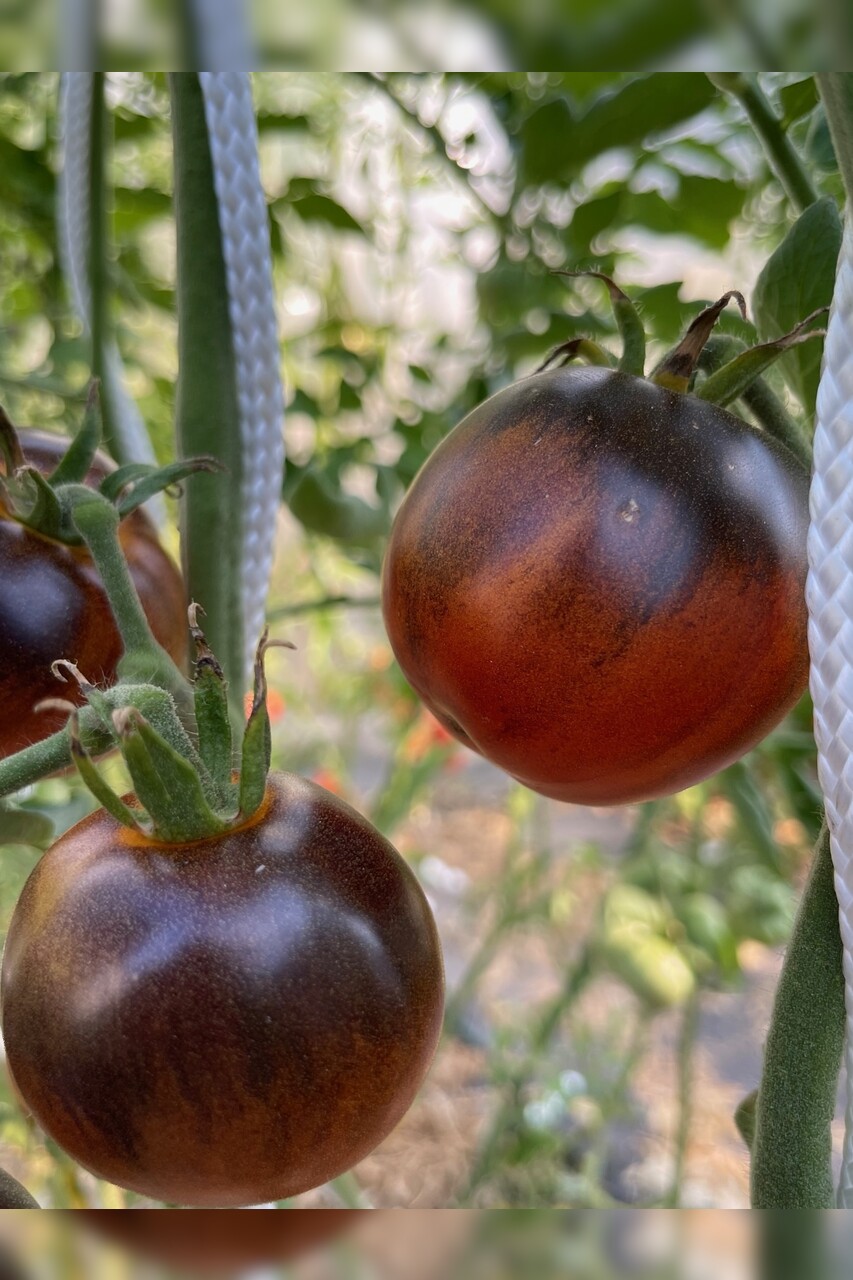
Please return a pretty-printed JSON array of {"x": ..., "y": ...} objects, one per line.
[
  {"x": 798, "y": 278},
  {"x": 24, "y": 826}
]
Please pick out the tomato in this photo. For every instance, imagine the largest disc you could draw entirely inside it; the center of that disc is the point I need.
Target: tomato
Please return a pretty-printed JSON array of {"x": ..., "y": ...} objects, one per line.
[
  {"x": 219, "y": 1242},
  {"x": 54, "y": 606},
  {"x": 598, "y": 584},
  {"x": 225, "y": 1022}
]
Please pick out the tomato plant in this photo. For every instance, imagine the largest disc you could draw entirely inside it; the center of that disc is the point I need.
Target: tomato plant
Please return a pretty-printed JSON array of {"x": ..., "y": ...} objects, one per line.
[
  {"x": 597, "y": 580},
  {"x": 54, "y": 603}
]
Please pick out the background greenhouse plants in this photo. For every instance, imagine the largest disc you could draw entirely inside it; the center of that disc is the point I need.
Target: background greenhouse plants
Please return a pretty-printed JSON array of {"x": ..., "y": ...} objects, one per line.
[{"x": 605, "y": 968}]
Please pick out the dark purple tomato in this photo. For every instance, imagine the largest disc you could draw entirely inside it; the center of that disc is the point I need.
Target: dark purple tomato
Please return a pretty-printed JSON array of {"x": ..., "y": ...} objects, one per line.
[
  {"x": 599, "y": 585},
  {"x": 219, "y": 1241},
  {"x": 53, "y": 605},
  {"x": 226, "y": 1022}
]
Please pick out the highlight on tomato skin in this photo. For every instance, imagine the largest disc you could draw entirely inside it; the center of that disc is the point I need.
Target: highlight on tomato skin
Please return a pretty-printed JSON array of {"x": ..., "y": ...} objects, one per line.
[
  {"x": 598, "y": 584},
  {"x": 54, "y": 605},
  {"x": 227, "y": 1022}
]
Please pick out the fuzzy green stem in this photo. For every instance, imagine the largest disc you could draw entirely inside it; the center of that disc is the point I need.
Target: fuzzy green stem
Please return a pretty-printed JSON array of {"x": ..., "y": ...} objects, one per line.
[
  {"x": 791, "y": 1160},
  {"x": 207, "y": 414},
  {"x": 143, "y": 658},
  {"x": 51, "y": 754},
  {"x": 784, "y": 160},
  {"x": 836, "y": 91}
]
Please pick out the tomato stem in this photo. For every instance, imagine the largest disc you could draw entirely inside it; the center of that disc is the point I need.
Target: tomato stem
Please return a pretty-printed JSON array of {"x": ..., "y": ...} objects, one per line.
[
  {"x": 792, "y": 1148},
  {"x": 143, "y": 657},
  {"x": 44, "y": 758}
]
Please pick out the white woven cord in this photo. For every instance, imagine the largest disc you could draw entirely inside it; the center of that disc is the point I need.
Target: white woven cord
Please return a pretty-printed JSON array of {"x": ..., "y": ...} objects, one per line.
[
  {"x": 829, "y": 593},
  {"x": 248, "y": 265},
  {"x": 223, "y": 35},
  {"x": 75, "y": 112}
]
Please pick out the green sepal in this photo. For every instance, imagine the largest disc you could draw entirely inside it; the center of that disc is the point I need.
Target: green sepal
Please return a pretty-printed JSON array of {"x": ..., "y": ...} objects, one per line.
[
  {"x": 102, "y": 792},
  {"x": 257, "y": 742},
  {"x": 31, "y": 500},
  {"x": 213, "y": 723},
  {"x": 76, "y": 462},
  {"x": 759, "y": 398},
  {"x": 578, "y": 348},
  {"x": 735, "y": 377},
  {"x": 136, "y": 482},
  {"x": 165, "y": 782},
  {"x": 160, "y": 711},
  {"x": 676, "y": 369},
  {"x": 631, "y": 331}
]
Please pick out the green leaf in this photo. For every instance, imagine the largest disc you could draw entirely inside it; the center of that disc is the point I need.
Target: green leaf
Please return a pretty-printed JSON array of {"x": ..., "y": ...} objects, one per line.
[
  {"x": 324, "y": 508},
  {"x": 316, "y": 207},
  {"x": 797, "y": 100},
  {"x": 25, "y": 826},
  {"x": 547, "y": 138},
  {"x": 642, "y": 105},
  {"x": 798, "y": 278}
]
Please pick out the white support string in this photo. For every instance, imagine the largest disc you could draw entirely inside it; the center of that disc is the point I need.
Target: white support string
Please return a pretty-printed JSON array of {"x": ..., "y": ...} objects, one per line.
[
  {"x": 223, "y": 35},
  {"x": 75, "y": 109},
  {"x": 243, "y": 220},
  {"x": 830, "y": 599}
]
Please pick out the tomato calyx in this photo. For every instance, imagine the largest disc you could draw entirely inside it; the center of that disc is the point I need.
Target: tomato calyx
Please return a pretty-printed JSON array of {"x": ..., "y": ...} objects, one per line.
[
  {"x": 183, "y": 792},
  {"x": 733, "y": 373},
  {"x": 46, "y": 504}
]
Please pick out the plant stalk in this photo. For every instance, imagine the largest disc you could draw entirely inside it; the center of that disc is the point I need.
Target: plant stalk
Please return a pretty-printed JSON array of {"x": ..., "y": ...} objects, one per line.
[
  {"x": 207, "y": 413},
  {"x": 836, "y": 91},
  {"x": 792, "y": 1150},
  {"x": 784, "y": 161}
]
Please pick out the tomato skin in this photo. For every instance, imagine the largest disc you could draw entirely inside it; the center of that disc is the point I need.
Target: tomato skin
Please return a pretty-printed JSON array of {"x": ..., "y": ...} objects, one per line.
[
  {"x": 228, "y": 1022},
  {"x": 53, "y": 605},
  {"x": 221, "y": 1242},
  {"x": 599, "y": 585}
]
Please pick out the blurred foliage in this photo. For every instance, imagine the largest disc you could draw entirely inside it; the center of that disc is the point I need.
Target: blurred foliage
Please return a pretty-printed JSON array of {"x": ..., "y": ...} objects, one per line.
[{"x": 417, "y": 222}]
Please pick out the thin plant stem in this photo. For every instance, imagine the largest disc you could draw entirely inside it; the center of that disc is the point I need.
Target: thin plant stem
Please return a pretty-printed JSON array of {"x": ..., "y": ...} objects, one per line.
[
  {"x": 325, "y": 602},
  {"x": 836, "y": 91},
  {"x": 784, "y": 160},
  {"x": 543, "y": 1031},
  {"x": 685, "y": 1056}
]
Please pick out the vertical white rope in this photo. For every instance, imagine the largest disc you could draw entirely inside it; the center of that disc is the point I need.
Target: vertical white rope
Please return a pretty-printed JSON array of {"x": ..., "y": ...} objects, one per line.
[
  {"x": 75, "y": 113},
  {"x": 223, "y": 35},
  {"x": 830, "y": 599},
  {"x": 248, "y": 264}
]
